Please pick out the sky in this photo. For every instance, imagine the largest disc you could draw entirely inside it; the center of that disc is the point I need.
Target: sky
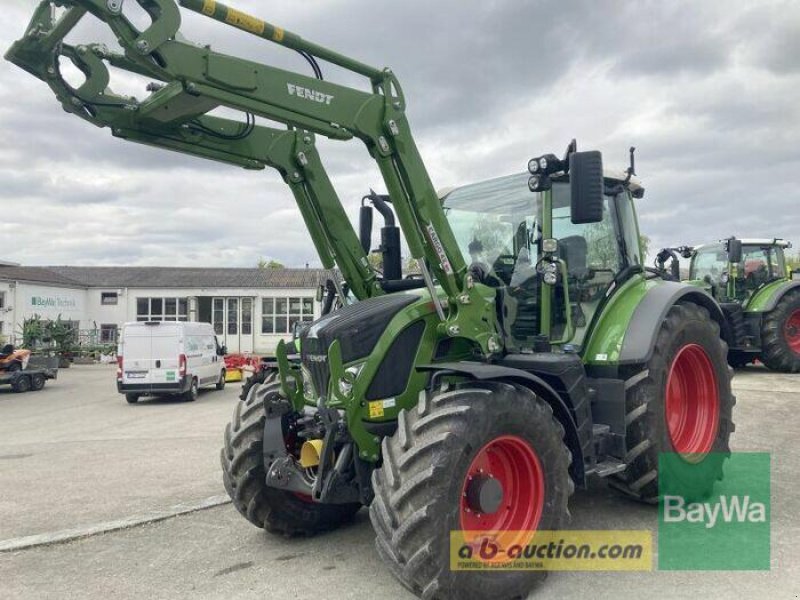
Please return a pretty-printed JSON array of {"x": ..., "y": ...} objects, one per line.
[{"x": 708, "y": 92}]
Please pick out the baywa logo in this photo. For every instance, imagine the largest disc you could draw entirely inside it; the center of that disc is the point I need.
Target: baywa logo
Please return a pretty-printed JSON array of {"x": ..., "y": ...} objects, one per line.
[
  {"x": 724, "y": 528},
  {"x": 309, "y": 94},
  {"x": 731, "y": 509}
]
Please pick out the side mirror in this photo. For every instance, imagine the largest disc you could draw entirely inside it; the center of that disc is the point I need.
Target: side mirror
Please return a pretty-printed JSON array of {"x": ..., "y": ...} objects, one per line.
[
  {"x": 320, "y": 293},
  {"x": 734, "y": 250},
  {"x": 586, "y": 187},
  {"x": 365, "y": 228},
  {"x": 223, "y": 350}
]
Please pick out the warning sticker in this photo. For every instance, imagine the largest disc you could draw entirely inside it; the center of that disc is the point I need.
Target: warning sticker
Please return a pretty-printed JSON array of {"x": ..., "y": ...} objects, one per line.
[
  {"x": 245, "y": 21},
  {"x": 376, "y": 409}
]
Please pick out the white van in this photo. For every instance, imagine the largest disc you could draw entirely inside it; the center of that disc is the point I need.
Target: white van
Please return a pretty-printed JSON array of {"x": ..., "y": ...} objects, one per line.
[{"x": 157, "y": 358}]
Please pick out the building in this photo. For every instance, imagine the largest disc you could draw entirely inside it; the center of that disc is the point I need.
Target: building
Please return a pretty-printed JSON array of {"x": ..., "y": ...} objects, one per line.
[{"x": 251, "y": 309}]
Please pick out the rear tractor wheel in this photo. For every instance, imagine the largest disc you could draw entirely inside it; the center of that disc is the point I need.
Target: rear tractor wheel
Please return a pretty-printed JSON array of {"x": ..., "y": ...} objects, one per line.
[
  {"x": 263, "y": 376},
  {"x": 679, "y": 403},
  {"x": 780, "y": 335},
  {"x": 484, "y": 458},
  {"x": 244, "y": 475}
]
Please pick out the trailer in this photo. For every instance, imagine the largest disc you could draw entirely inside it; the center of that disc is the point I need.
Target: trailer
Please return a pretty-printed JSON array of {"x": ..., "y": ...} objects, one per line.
[{"x": 32, "y": 378}]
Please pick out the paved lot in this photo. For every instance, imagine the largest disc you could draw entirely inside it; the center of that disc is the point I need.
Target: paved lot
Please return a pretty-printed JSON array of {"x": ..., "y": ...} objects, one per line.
[{"x": 75, "y": 455}]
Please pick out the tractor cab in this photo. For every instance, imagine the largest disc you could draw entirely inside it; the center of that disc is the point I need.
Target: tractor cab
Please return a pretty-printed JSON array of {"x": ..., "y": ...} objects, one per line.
[
  {"x": 552, "y": 273},
  {"x": 735, "y": 269}
]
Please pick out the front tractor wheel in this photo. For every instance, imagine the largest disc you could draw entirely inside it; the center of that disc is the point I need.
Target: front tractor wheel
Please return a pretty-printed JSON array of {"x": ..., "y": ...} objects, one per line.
[
  {"x": 244, "y": 475},
  {"x": 781, "y": 335},
  {"x": 485, "y": 458},
  {"x": 679, "y": 403}
]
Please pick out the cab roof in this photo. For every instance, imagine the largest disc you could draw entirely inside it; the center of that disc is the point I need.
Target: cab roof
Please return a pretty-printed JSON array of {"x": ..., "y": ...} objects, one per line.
[{"x": 635, "y": 183}]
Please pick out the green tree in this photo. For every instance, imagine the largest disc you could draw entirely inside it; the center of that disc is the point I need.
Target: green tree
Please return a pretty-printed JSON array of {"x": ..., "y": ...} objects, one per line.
[{"x": 263, "y": 263}]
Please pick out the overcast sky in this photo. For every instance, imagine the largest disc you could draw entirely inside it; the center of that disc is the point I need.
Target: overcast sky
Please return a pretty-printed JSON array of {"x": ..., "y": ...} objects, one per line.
[{"x": 708, "y": 92}]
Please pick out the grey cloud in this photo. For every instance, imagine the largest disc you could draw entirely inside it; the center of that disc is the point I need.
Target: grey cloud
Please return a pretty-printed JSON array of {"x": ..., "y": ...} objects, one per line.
[{"x": 706, "y": 91}]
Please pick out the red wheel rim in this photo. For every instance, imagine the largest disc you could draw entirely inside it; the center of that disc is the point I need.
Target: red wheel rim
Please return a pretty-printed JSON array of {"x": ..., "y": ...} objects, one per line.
[
  {"x": 791, "y": 332},
  {"x": 692, "y": 405},
  {"x": 512, "y": 463}
]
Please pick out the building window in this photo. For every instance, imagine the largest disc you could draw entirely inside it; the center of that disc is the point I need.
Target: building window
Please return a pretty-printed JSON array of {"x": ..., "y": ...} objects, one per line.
[
  {"x": 2, "y": 299},
  {"x": 219, "y": 316},
  {"x": 108, "y": 297},
  {"x": 247, "y": 316},
  {"x": 161, "y": 309},
  {"x": 278, "y": 315},
  {"x": 108, "y": 334}
]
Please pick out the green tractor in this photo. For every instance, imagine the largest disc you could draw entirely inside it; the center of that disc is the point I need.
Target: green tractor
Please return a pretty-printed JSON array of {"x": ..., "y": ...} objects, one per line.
[
  {"x": 757, "y": 292},
  {"x": 534, "y": 352}
]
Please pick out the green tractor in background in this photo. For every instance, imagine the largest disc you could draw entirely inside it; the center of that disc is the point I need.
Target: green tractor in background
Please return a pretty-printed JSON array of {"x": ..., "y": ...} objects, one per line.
[
  {"x": 535, "y": 352},
  {"x": 757, "y": 292}
]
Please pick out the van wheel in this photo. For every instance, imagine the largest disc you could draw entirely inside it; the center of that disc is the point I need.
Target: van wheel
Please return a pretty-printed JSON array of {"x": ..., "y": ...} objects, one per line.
[
  {"x": 131, "y": 398},
  {"x": 190, "y": 395},
  {"x": 221, "y": 382}
]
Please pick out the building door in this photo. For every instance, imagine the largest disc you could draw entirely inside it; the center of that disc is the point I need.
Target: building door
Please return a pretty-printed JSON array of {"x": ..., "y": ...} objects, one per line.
[{"x": 233, "y": 323}]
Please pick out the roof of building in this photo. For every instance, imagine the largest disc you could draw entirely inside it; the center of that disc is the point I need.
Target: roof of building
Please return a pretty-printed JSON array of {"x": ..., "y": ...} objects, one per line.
[{"x": 167, "y": 277}]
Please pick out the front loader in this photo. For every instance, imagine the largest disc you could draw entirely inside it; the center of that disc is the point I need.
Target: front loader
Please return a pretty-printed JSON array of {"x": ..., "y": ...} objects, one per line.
[
  {"x": 756, "y": 292},
  {"x": 534, "y": 352}
]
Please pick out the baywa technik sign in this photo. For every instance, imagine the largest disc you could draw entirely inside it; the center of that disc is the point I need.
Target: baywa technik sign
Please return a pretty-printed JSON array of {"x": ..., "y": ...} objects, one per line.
[{"x": 54, "y": 303}]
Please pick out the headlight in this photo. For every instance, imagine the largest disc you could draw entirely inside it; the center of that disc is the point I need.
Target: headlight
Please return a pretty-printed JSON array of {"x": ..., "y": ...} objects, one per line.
[
  {"x": 346, "y": 381},
  {"x": 309, "y": 391},
  {"x": 551, "y": 268},
  {"x": 550, "y": 278},
  {"x": 550, "y": 245},
  {"x": 723, "y": 279},
  {"x": 533, "y": 166},
  {"x": 543, "y": 163},
  {"x": 533, "y": 183}
]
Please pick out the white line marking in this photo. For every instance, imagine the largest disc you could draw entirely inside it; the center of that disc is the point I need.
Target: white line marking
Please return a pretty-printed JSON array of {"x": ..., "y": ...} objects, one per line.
[{"x": 68, "y": 535}]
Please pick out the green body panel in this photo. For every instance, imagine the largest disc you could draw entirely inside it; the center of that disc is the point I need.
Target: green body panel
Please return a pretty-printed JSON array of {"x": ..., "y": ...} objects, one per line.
[
  {"x": 604, "y": 341},
  {"x": 762, "y": 296}
]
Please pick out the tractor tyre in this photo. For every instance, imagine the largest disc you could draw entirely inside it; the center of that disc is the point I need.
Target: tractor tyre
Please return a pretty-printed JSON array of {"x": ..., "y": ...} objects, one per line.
[
  {"x": 780, "y": 335},
  {"x": 485, "y": 457},
  {"x": 263, "y": 376},
  {"x": 21, "y": 384},
  {"x": 680, "y": 403},
  {"x": 243, "y": 474}
]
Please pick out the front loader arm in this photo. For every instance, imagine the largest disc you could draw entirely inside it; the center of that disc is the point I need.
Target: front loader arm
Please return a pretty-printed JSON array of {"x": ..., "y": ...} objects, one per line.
[
  {"x": 170, "y": 120},
  {"x": 199, "y": 80}
]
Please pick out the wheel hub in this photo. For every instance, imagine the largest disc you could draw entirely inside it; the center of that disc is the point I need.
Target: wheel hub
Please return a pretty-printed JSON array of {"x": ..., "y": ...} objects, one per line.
[
  {"x": 692, "y": 402},
  {"x": 484, "y": 494},
  {"x": 791, "y": 332},
  {"x": 503, "y": 489}
]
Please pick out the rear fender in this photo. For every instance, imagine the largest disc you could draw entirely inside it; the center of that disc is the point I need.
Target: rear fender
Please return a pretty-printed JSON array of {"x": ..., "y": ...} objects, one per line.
[
  {"x": 767, "y": 298},
  {"x": 626, "y": 331}
]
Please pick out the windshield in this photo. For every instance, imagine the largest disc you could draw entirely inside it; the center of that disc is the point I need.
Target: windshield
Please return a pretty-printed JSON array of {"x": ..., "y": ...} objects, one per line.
[{"x": 498, "y": 226}]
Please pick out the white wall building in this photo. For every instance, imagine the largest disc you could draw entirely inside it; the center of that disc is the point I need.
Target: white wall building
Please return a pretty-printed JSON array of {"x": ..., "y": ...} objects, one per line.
[{"x": 251, "y": 309}]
